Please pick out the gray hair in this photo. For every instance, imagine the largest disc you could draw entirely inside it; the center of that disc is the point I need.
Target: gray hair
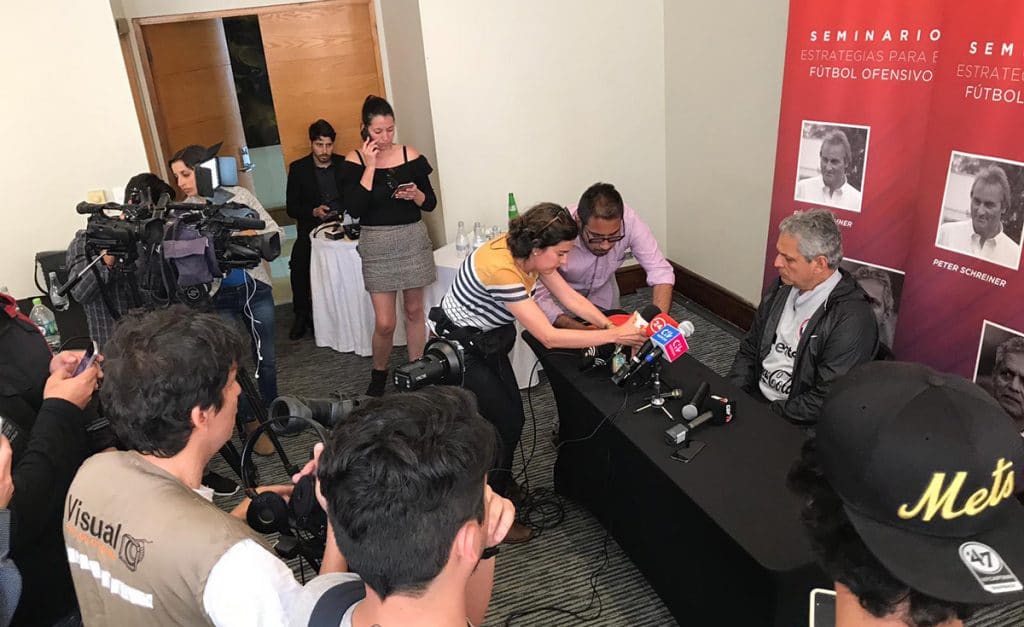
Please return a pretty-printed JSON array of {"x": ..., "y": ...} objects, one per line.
[
  {"x": 995, "y": 175},
  {"x": 817, "y": 235},
  {"x": 838, "y": 138},
  {"x": 1009, "y": 347}
]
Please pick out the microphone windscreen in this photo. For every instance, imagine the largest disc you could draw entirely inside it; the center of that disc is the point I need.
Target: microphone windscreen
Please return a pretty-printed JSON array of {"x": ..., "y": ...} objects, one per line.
[
  {"x": 649, "y": 312},
  {"x": 686, "y": 328}
]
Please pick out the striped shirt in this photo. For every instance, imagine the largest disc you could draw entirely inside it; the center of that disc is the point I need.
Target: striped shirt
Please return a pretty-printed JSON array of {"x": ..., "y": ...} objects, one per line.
[{"x": 487, "y": 281}]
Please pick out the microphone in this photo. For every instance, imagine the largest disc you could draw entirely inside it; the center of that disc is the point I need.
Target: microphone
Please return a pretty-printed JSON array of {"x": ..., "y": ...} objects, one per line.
[
  {"x": 647, "y": 353},
  {"x": 691, "y": 409},
  {"x": 670, "y": 335},
  {"x": 721, "y": 412}
]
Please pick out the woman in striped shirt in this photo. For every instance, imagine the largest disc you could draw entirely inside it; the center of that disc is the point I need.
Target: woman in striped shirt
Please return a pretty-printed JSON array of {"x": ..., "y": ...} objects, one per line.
[{"x": 493, "y": 290}]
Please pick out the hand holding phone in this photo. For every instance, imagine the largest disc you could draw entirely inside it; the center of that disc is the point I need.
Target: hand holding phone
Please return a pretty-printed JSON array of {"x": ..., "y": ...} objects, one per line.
[
  {"x": 87, "y": 359},
  {"x": 403, "y": 191}
]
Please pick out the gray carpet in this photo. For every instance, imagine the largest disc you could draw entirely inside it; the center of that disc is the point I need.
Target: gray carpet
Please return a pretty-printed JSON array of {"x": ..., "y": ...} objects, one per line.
[{"x": 575, "y": 566}]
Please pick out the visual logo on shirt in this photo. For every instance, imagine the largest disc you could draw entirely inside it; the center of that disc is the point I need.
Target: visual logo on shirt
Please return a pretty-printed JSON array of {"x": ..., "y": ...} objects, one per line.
[{"x": 91, "y": 530}]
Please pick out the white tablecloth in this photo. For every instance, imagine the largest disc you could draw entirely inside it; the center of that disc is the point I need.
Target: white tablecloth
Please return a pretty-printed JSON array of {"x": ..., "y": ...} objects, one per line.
[{"x": 343, "y": 314}]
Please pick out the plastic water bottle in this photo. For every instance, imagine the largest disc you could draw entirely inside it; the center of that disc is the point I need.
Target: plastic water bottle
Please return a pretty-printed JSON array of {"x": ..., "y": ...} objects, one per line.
[
  {"x": 479, "y": 238},
  {"x": 461, "y": 241},
  {"x": 47, "y": 323},
  {"x": 60, "y": 302}
]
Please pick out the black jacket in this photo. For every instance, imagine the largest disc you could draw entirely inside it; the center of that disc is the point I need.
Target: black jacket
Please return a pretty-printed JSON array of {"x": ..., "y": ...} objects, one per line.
[
  {"x": 50, "y": 446},
  {"x": 303, "y": 192},
  {"x": 841, "y": 334}
]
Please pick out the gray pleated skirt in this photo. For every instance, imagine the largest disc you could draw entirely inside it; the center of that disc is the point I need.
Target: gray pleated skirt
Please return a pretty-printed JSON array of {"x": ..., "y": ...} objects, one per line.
[{"x": 396, "y": 257}]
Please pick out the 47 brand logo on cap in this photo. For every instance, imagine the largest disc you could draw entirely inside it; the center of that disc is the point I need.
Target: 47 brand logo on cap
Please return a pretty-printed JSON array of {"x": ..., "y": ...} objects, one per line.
[
  {"x": 988, "y": 568},
  {"x": 941, "y": 499}
]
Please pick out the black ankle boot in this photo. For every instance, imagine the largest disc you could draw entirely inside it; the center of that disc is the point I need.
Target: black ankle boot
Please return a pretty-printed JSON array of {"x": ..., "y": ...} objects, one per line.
[{"x": 378, "y": 379}]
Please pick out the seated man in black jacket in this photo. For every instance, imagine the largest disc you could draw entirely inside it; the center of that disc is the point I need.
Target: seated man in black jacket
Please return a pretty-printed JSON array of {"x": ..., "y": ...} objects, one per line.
[
  {"x": 813, "y": 325},
  {"x": 314, "y": 192},
  {"x": 46, "y": 410}
]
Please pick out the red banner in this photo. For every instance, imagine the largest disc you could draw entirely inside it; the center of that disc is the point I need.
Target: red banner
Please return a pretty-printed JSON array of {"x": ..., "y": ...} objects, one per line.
[{"x": 904, "y": 119}]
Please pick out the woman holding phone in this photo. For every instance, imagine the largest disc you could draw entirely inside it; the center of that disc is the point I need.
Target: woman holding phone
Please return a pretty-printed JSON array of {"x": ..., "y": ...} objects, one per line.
[{"x": 386, "y": 187}]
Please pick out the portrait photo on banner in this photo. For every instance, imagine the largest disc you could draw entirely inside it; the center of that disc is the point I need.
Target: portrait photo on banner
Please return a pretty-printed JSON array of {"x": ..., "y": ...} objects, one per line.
[
  {"x": 981, "y": 213},
  {"x": 1000, "y": 368},
  {"x": 831, "y": 165},
  {"x": 884, "y": 287}
]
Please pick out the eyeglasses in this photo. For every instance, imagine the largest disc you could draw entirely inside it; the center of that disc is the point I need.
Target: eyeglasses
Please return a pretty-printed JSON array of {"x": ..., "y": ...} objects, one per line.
[
  {"x": 611, "y": 239},
  {"x": 561, "y": 213}
]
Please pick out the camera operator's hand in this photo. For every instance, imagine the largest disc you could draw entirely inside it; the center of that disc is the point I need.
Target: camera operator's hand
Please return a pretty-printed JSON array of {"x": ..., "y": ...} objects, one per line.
[
  {"x": 499, "y": 514},
  {"x": 6, "y": 482},
  {"x": 321, "y": 212},
  {"x": 75, "y": 390},
  {"x": 310, "y": 469},
  {"x": 240, "y": 510}
]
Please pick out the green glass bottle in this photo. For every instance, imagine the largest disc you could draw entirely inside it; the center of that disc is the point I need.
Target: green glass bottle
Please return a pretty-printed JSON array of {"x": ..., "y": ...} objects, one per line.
[{"x": 513, "y": 210}]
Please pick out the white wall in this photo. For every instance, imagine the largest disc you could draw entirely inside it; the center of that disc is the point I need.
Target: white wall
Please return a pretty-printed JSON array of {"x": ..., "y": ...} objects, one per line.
[
  {"x": 543, "y": 99},
  {"x": 68, "y": 126},
  {"x": 401, "y": 51},
  {"x": 723, "y": 84}
]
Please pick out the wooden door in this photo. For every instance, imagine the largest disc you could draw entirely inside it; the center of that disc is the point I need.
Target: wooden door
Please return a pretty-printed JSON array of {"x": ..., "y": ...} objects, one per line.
[
  {"x": 193, "y": 88},
  {"x": 323, "y": 60}
]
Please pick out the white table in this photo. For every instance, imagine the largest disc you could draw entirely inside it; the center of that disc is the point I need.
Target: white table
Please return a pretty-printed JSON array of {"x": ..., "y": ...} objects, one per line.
[{"x": 343, "y": 313}]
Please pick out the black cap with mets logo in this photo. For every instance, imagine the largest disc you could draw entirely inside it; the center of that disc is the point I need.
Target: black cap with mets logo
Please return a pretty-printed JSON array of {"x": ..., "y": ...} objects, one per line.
[{"x": 927, "y": 466}]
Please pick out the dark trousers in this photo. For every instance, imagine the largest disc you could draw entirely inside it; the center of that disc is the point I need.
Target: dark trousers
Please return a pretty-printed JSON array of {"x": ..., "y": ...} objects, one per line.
[
  {"x": 302, "y": 299},
  {"x": 493, "y": 381},
  {"x": 252, "y": 305}
]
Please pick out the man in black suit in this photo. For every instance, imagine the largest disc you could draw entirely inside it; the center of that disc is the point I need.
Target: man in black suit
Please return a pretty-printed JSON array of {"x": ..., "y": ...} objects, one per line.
[{"x": 314, "y": 192}]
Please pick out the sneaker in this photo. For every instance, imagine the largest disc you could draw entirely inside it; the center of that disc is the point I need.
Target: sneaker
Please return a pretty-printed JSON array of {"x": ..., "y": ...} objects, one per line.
[{"x": 221, "y": 486}]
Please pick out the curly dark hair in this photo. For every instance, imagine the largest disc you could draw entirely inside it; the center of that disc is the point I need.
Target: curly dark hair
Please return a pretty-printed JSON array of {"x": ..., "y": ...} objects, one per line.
[
  {"x": 158, "y": 366},
  {"x": 401, "y": 476},
  {"x": 541, "y": 226},
  {"x": 846, "y": 559}
]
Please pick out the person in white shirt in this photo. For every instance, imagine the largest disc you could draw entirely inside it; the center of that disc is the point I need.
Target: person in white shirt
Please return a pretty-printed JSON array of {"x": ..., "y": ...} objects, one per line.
[
  {"x": 814, "y": 324},
  {"x": 145, "y": 543},
  {"x": 982, "y": 236},
  {"x": 831, "y": 187}
]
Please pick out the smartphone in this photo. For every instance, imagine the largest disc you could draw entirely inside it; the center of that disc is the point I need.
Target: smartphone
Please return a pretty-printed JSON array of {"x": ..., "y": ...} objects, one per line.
[
  {"x": 87, "y": 359},
  {"x": 823, "y": 608},
  {"x": 403, "y": 187},
  {"x": 688, "y": 451},
  {"x": 364, "y": 133}
]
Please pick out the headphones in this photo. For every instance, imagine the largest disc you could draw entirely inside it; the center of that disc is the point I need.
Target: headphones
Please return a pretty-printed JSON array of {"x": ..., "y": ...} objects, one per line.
[{"x": 269, "y": 512}]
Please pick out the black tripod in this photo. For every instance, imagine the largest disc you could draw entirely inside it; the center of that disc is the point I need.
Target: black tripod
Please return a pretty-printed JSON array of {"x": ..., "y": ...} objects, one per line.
[
  {"x": 252, "y": 394},
  {"x": 657, "y": 400}
]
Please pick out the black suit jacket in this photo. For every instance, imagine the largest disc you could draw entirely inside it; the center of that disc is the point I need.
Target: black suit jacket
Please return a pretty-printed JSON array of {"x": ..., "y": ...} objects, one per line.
[{"x": 303, "y": 193}]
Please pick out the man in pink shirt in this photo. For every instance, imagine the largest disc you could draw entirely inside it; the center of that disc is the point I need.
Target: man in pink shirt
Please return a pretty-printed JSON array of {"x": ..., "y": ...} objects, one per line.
[{"x": 608, "y": 228}]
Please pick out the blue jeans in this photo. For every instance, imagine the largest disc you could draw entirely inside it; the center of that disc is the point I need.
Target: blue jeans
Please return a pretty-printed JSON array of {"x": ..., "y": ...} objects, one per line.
[{"x": 230, "y": 302}]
